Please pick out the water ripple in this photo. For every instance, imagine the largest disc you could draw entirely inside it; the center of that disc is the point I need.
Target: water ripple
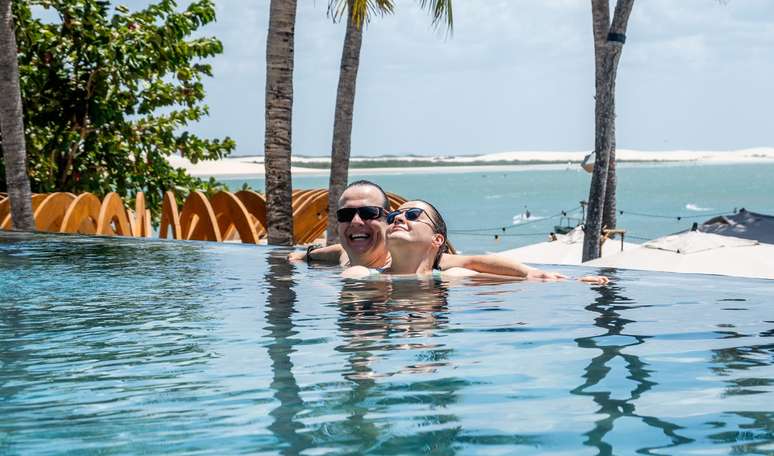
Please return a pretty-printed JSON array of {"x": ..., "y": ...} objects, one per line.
[{"x": 127, "y": 346}]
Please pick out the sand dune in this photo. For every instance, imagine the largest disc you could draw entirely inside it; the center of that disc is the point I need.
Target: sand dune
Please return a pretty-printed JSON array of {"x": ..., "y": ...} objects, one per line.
[{"x": 252, "y": 166}]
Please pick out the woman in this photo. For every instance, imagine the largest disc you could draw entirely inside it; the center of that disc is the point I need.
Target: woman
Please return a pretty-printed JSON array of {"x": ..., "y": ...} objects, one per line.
[{"x": 416, "y": 239}]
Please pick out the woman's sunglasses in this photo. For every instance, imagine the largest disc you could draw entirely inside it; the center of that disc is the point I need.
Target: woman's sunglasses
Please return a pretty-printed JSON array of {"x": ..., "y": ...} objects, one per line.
[
  {"x": 411, "y": 214},
  {"x": 346, "y": 214}
]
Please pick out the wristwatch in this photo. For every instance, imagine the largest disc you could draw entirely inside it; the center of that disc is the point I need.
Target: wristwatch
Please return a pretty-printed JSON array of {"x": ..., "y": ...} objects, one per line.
[{"x": 309, "y": 251}]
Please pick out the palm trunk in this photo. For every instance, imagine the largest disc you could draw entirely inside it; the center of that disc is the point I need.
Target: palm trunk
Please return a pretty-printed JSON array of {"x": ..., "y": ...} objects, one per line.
[
  {"x": 608, "y": 215},
  {"x": 279, "y": 108},
  {"x": 342, "y": 124},
  {"x": 12, "y": 125},
  {"x": 602, "y": 145},
  {"x": 608, "y": 45}
]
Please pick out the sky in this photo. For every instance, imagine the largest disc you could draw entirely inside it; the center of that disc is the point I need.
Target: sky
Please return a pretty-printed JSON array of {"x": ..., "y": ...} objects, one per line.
[{"x": 514, "y": 75}]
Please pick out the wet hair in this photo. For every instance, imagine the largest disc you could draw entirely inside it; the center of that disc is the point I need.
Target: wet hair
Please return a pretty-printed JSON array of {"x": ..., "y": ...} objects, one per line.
[
  {"x": 367, "y": 183},
  {"x": 440, "y": 228}
]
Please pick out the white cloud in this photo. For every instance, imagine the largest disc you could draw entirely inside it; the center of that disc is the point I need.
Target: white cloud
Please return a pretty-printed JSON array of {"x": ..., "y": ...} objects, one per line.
[{"x": 515, "y": 74}]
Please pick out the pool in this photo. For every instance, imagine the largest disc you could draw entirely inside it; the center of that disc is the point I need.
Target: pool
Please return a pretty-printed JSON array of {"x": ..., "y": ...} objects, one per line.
[{"x": 125, "y": 346}]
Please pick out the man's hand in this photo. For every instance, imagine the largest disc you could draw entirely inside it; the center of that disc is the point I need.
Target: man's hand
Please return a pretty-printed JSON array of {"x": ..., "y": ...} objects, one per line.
[{"x": 297, "y": 256}]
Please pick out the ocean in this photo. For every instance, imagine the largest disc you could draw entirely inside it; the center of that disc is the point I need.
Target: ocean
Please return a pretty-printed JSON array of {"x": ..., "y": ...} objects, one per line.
[{"x": 486, "y": 210}]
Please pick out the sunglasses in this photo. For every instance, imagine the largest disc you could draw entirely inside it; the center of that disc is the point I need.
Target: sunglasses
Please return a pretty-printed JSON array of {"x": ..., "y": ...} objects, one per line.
[
  {"x": 411, "y": 214},
  {"x": 346, "y": 214}
]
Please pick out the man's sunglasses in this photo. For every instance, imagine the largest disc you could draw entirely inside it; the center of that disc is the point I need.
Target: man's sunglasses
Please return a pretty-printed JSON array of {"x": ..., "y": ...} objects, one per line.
[
  {"x": 411, "y": 214},
  {"x": 346, "y": 214}
]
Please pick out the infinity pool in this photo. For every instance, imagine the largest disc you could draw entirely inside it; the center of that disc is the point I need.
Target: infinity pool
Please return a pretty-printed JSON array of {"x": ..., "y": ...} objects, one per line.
[{"x": 112, "y": 346}]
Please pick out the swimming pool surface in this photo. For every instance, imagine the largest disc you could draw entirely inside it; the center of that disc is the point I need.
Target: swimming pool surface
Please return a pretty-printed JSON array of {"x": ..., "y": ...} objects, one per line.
[{"x": 120, "y": 346}]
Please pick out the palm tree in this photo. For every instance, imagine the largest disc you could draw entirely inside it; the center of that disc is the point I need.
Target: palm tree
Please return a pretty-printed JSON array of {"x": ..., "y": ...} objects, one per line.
[
  {"x": 12, "y": 125},
  {"x": 279, "y": 109},
  {"x": 608, "y": 45},
  {"x": 358, "y": 14}
]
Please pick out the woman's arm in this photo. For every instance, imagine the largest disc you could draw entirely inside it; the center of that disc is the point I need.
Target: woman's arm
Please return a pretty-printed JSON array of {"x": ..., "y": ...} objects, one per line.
[
  {"x": 504, "y": 266},
  {"x": 486, "y": 264}
]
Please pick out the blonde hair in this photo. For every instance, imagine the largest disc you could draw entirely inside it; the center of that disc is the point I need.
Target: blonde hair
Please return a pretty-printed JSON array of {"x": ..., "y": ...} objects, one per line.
[{"x": 440, "y": 228}]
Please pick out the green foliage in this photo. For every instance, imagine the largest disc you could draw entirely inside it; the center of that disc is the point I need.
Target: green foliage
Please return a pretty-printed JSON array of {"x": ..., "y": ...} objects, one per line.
[{"x": 108, "y": 95}]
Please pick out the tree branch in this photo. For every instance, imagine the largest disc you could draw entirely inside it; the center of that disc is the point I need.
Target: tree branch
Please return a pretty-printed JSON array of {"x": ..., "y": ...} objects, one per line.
[
  {"x": 623, "y": 9},
  {"x": 600, "y": 11}
]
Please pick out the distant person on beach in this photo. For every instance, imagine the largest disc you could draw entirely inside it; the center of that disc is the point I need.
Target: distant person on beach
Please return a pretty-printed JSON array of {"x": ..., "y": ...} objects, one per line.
[{"x": 362, "y": 229}]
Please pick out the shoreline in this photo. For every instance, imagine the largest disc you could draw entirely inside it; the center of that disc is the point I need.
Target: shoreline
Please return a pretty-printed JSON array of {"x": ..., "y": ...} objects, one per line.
[{"x": 251, "y": 167}]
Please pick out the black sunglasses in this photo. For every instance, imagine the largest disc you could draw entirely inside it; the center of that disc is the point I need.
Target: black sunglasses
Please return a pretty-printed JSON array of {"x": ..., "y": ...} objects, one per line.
[
  {"x": 411, "y": 214},
  {"x": 346, "y": 214}
]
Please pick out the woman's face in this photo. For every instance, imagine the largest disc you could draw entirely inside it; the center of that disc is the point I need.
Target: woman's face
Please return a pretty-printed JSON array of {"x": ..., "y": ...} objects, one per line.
[{"x": 421, "y": 231}]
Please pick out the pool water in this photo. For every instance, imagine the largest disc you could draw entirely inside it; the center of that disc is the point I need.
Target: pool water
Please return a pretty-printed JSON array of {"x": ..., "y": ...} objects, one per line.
[{"x": 124, "y": 346}]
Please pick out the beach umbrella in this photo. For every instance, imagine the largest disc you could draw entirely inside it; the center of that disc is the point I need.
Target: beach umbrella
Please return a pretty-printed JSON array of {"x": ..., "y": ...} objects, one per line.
[
  {"x": 699, "y": 253},
  {"x": 566, "y": 249},
  {"x": 743, "y": 224}
]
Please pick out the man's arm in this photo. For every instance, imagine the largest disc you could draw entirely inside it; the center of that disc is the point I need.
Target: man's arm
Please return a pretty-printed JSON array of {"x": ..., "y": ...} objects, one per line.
[{"x": 333, "y": 254}]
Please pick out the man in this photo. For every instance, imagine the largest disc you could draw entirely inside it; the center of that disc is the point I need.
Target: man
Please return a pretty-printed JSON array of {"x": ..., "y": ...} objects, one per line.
[{"x": 362, "y": 232}]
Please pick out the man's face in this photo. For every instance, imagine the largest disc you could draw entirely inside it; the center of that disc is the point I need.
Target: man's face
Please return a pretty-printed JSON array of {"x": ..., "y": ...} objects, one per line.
[{"x": 363, "y": 240}]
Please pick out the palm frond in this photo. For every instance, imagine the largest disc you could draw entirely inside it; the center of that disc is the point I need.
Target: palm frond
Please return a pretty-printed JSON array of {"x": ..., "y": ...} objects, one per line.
[
  {"x": 440, "y": 11},
  {"x": 361, "y": 10}
]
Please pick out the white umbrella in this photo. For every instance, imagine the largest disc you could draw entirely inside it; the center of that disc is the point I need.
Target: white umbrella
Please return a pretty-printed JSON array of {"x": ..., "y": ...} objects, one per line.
[
  {"x": 566, "y": 249},
  {"x": 697, "y": 252}
]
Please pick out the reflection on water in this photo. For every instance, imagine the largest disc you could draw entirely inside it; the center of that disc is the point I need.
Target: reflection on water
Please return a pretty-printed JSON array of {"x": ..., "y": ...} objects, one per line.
[
  {"x": 373, "y": 314},
  {"x": 612, "y": 345},
  {"x": 378, "y": 320},
  {"x": 126, "y": 347},
  {"x": 739, "y": 367},
  {"x": 280, "y": 307}
]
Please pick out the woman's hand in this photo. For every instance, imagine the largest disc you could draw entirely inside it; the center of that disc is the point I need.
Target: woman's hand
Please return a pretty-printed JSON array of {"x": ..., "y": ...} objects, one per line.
[
  {"x": 595, "y": 280},
  {"x": 546, "y": 276}
]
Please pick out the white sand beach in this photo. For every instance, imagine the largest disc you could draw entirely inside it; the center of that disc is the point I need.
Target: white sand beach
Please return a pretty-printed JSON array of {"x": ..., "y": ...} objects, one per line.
[{"x": 252, "y": 166}]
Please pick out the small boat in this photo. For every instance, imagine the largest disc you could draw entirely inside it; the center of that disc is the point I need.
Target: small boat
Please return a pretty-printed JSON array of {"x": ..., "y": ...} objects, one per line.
[{"x": 567, "y": 224}]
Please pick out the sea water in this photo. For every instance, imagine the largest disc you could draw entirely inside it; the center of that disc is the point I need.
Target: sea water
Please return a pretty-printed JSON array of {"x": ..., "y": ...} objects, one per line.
[
  {"x": 133, "y": 346},
  {"x": 656, "y": 200}
]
